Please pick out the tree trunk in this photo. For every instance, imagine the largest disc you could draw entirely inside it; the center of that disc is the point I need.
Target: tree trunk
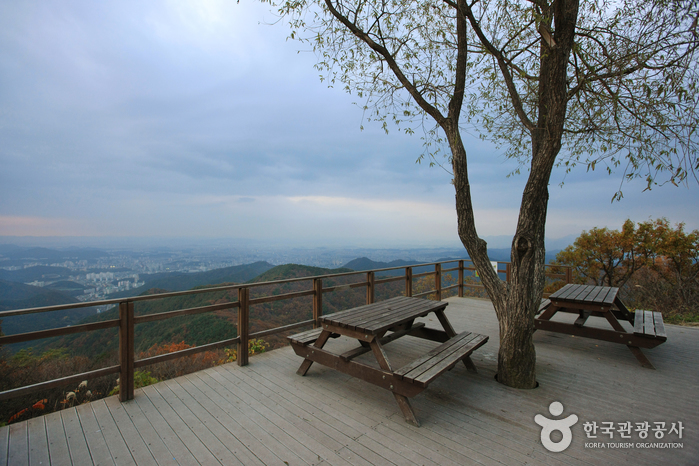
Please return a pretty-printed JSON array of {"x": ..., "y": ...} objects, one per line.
[{"x": 516, "y": 303}]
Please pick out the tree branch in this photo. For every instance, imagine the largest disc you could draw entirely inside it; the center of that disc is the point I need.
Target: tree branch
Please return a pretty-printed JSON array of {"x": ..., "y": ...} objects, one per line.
[
  {"x": 390, "y": 60},
  {"x": 503, "y": 65}
]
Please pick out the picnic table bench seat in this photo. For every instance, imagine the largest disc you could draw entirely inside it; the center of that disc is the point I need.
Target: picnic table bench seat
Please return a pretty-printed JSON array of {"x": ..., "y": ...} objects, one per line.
[
  {"x": 309, "y": 336},
  {"x": 426, "y": 368},
  {"x": 649, "y": 324}
]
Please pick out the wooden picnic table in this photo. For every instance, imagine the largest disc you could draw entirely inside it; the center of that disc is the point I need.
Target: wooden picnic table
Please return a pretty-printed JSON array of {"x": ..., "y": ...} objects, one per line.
[
  {"x": 602, "y": 301},
  {"x": 375, "y": 325}
]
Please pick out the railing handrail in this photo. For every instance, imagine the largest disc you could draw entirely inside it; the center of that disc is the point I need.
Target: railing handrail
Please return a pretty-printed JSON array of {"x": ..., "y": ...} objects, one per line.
[{"x": 127, "y": 320}]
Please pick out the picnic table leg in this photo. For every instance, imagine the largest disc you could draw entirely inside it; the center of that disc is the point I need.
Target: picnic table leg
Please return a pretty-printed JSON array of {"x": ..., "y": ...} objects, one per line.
[
  {"x": 446, "y": 325},
  {"x": 469, "y": 365},
  {"x": 408, "y": 413},
  {"x": 451, "y": 333},
  {"x": 319, "y": 343},
  {"x": 641, "y": 357},
  {"x": 614, "y": 322},
  {"x": 403, "y": 402}
]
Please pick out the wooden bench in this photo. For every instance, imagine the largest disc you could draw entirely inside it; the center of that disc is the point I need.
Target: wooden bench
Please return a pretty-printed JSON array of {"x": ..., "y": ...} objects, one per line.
[
  {"x": 425, "y": 369},
  {"x": 649, "y": 324},
  {"x": 308, "y": 337}
]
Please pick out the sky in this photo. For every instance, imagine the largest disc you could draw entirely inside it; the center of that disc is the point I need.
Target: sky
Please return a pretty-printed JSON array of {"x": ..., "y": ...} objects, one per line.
[{"x": 199, "y": 119}]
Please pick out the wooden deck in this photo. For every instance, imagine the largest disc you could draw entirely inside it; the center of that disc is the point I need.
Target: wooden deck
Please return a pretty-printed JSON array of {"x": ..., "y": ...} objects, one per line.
[{"x": 266, "y": 414}]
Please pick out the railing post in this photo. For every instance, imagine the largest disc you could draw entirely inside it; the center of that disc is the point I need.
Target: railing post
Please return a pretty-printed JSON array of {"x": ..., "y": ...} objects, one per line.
[
  {"x": 126, "y": 351},
  {"x": 243, "y": 325},
  {"x": 461, "y": 279},
  {"x": 438, "y": 281},
  {"x": 408, "y": 281},
  {"x": 569, "y": 274},
  {"x": 317, "y": 301},
  {"x": 508, "y": 272},
  {"x": 370, "y": 287}
]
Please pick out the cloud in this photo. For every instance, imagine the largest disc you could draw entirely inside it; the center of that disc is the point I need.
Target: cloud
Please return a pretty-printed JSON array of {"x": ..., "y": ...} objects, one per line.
[{"x": 186, "y": 118}]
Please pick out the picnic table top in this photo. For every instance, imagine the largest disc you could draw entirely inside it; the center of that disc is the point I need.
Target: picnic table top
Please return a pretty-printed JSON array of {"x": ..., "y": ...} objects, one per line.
[
  {"x": 379, "y": 317},
  {"x": 587, "y": 294}
]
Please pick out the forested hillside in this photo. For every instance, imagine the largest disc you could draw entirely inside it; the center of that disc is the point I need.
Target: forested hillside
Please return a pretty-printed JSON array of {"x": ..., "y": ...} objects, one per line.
[
  {"x": 15, "y": 295},
  {"x": 39, "y": 272}
]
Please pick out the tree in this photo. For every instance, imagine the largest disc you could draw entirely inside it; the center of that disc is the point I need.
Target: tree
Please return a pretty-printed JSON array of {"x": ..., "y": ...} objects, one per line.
[
  {"x": 609, "y": 257},
  {"x": 676, "y": 261},
  {"x": 567, "y": 83}
]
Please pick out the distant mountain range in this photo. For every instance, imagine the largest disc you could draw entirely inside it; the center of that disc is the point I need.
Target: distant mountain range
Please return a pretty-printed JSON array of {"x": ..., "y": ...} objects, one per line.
[
  {"x": 364, "y": 263},
  {"x": 17, "y": 255}
]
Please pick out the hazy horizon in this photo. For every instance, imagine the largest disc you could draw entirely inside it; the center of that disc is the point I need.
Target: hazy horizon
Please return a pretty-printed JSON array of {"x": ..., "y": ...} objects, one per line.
[{"x": 104, "y": 242}]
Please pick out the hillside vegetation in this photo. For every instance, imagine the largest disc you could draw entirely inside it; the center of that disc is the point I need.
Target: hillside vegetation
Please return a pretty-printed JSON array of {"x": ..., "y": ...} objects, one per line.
[{"x": 20, "y": 296}]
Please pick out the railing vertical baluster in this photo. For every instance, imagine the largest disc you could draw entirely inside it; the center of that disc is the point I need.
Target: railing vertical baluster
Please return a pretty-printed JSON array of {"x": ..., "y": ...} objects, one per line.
[
  {"x": 243, "y": 325},
  {"x": 408, "y": 281},
  {"x": 461, "y": 279},
  {"x": 370, "y": 287},
  {"x": 569, "y": 274},
  {"x": 317, "y": 301},
  {"x": 438, "y": 281},
  {"x": 126, "y": 351}
]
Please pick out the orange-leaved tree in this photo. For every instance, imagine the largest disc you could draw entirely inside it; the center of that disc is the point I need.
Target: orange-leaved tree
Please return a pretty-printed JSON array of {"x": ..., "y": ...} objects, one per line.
[{"x": 608, "y": 257}]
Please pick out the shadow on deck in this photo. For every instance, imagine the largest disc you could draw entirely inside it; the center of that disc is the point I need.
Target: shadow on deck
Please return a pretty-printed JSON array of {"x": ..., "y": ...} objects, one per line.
[{"x": 265, "y": 414}]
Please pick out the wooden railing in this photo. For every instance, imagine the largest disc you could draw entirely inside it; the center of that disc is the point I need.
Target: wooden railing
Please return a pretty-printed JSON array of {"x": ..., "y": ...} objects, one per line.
[{"x": 127, "y": 320}]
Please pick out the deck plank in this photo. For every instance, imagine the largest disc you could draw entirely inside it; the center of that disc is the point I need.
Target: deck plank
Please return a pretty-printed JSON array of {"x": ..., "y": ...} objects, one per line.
[
  {"x": 165, "y": 432},
  {"x": 4, "y": 444},
  {"x": 58, "y": 443},
  {"x": 96, "y": 443},
  {"x": 141, "y": 424},
  {"x": 186, "y": 435},
  {"x": 79, "y": 453},
  {"x": 117, "y": 445},
  {"x": 322, "y": 438},
  {"x": 200, "y": 426},
  {"x": 209, "y": 419},
  {"x": 231, "y": 431},
  {"x": 283, "y": 446},
  {"x": 242, "y": 425},
  {"x": 278, "y": 420},
  {"x": 138, "y": 448},
  {"x": 19, "y": 444},
  {"x": 38, "y": 441}
]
